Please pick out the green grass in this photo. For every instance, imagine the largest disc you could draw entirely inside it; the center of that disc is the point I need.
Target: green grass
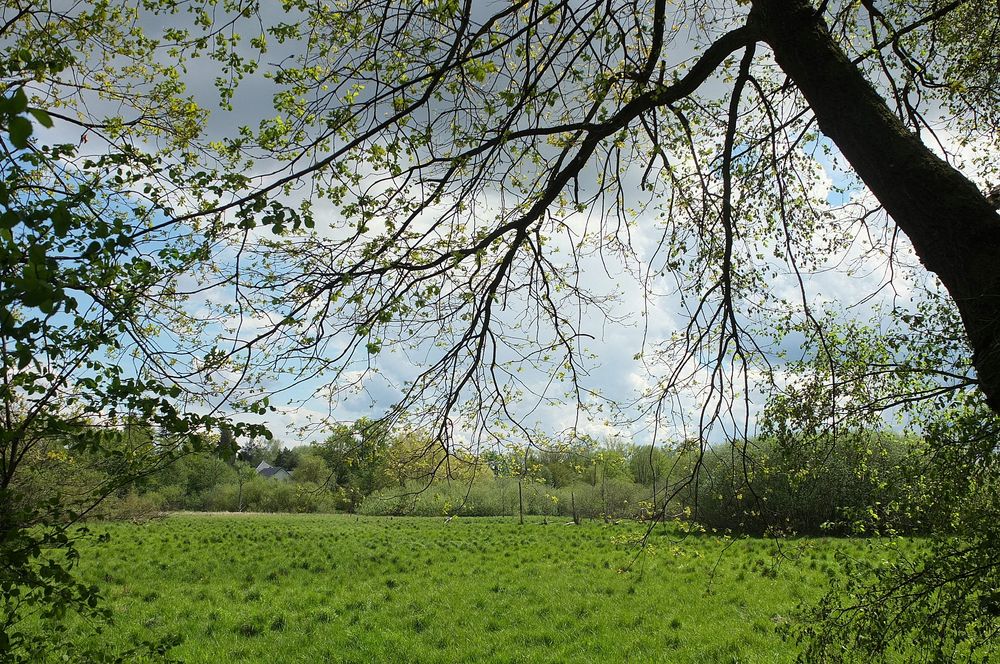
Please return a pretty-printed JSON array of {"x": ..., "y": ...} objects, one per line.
[{"x": 288, "y": 588}]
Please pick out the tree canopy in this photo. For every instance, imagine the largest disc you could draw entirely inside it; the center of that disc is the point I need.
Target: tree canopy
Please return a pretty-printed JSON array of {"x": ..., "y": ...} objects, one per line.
[{"x": 471, "y": 185}]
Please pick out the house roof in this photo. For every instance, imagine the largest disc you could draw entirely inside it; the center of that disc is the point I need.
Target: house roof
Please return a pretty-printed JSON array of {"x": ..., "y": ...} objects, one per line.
[
  {"x": 271, "y": 471},
  {"x": 264, "y": 469}
]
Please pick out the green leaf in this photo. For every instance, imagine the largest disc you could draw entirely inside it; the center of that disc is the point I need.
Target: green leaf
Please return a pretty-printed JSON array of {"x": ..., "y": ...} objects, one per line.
[
  {"x": 23, "y": 357},
  {"x": 19, "y": 130},
  {"x": 41, "y": 117},
  {"x": 61, "y": 220},
  {"x": 18, "y": 102}
]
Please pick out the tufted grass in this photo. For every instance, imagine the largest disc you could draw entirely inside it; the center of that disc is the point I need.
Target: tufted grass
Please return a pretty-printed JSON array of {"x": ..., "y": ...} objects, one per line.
[{"x": 312, "y": 588}]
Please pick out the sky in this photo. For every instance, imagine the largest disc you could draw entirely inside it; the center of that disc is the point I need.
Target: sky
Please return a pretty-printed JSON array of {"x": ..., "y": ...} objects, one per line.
[
  {"x": 620, "y": 342},
  {"x": 616, "y": 370}
]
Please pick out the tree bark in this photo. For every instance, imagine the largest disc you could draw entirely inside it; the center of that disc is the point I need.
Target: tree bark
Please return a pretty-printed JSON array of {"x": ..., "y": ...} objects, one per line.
[{"x": 953, "y": 228}]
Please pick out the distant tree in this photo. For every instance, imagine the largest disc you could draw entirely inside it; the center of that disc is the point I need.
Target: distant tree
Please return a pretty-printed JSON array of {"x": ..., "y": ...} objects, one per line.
[
  {"x": 244, "y": 473},
  {"x": 200, "y": 473},
  {"x": 356, "y": 456},
  {"x": 652, "y": 466},
  {"x": 257, "y": 450},
  {"x": 608, "y": 464},
  {"x": 227, "y": 446},
  {"x": 312, "y": 468},
  {"x": 566, "y": 462},
  {"x": 287, "y": 458},
  {"x": 415, "y": 454}
]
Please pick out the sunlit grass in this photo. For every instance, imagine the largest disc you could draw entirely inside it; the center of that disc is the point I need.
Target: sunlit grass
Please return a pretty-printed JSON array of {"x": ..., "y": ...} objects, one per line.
[{"x": 286, "y": 588}]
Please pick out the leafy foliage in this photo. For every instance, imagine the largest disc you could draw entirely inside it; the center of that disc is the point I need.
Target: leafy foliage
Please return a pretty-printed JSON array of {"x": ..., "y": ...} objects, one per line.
[
  {"x": 89, "y": 272},
  {"x": 860, "y": 483}
]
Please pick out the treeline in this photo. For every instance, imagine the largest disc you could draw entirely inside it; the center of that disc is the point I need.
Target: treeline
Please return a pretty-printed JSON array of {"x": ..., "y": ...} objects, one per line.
[
  {"x": 854, "y": 483},
  {"x": 360, "y": 469}
]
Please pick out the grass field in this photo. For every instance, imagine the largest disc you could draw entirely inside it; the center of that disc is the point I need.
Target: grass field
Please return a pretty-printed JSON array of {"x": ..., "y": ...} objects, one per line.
[{"x": 285, "y": 588}]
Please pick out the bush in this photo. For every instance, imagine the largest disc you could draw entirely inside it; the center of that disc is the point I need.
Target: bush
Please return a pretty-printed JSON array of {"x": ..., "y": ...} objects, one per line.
[
  {"x": 263, "y": 495},
  {"x": 499, "y": 497},
  {"x": 222, "y": 498},
  {"x": 174, "y": 497},
  {"x": 134, "y": 506},
  {"x": 860, "y": 483}
]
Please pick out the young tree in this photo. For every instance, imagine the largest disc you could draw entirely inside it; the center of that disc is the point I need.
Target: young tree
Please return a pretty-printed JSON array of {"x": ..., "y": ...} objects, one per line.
[{"x": 244, "y": 473}]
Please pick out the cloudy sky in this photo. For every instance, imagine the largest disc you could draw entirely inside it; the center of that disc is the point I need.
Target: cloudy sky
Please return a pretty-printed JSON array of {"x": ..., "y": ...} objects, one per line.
[{"x": 621, "y": 338}]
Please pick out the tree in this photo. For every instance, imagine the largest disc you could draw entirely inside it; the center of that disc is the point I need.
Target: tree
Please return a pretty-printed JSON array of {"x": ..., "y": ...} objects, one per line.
[
  {"x": 415, "y": 455},
  {"x": 90, "y": 275},
  {"x": 244, "y": 473},
  {"x": 356, "y": 457},
  {"x": 651, "y": 465},
  {"x": 446, "y": 221},
  {"x": 257, "y": 450},
  {"x": 312, "y": 468},
  {"x": 287, "y": 458}
]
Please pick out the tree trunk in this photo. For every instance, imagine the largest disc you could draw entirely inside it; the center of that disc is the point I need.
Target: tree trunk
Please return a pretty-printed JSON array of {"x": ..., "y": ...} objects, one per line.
[
  {"x": 953, "y": 228},
  {"x": 604, "y": 491},
  {"x": 520, "y": 504}
]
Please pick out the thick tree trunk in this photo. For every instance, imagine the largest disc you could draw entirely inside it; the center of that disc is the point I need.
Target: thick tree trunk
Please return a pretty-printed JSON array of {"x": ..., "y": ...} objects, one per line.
[{"x": 953, "y": 228}]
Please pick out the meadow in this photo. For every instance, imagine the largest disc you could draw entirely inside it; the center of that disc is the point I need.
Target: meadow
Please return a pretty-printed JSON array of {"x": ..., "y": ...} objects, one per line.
[{"x": 337, "y": 588}]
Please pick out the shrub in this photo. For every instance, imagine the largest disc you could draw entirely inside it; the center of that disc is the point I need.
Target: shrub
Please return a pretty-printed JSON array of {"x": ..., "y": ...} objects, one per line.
[
  {"x": 859, "y": 483},
  {"x": 499, "y": 497},
  {"x": 134, "y": 506}
]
